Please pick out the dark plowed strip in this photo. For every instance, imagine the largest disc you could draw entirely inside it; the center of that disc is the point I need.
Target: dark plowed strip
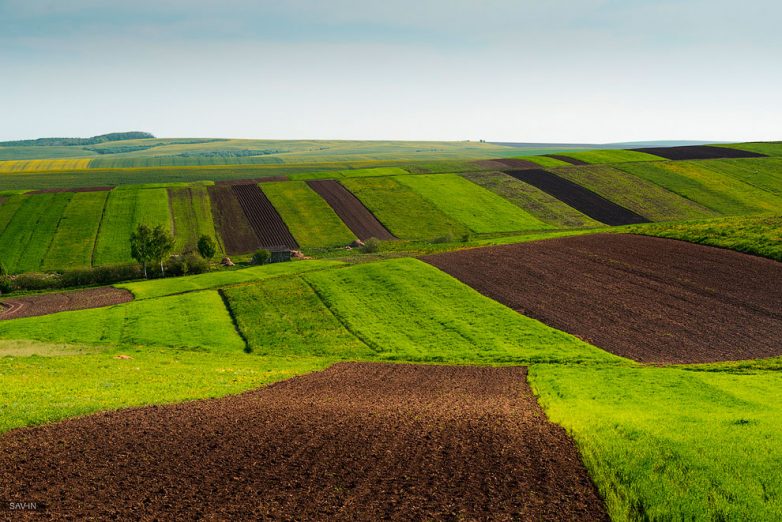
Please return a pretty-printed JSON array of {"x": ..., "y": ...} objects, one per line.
[
  {"x": 253, "y": 181},
  {"x": 506, "y": 163},
  {"x": 350, "y": 210},
  {"x": 356, "y": 442},
  {"x": 15, "y": 307},
  {"x": 263, "y": 217},
  {"x": 691, "y": 152},
  {"x": 567, "y": 159},
  {"x": 77, "y": 189},
  {"x": 230, "y": 221},
  {"x": 582, "y": 199},
  {"x": 650, "y": 299}
]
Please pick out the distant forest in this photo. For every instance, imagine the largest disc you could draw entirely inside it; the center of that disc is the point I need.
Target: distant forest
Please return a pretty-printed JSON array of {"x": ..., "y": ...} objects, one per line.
[{"x": 59, "y": 142}]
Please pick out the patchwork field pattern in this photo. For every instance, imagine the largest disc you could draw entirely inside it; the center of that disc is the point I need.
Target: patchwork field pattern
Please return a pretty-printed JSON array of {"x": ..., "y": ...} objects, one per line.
[
  {"x": 74, "y": 241},
  {"x": 235, "y": 232},
  {"x": 609, "y": 156},
  {"x": 192, "y": 216},
  {"x": 263, "y": 217},
  {"x": 650, "y": 299},
  {"x": 352, "y": 212}
]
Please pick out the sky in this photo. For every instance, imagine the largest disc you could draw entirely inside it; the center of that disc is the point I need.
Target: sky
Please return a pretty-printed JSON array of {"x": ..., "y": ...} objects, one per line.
[{"x": 586, "y": 71}]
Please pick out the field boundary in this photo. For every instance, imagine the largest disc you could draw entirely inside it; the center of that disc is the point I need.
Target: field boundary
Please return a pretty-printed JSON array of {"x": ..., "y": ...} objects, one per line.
[{"x": 239, "y": 332}]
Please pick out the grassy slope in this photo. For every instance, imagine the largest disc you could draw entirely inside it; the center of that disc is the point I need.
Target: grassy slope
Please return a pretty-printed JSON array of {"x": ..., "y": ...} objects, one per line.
[
  {"x": 767, "y": 148},
  {"x": 670, "y": 444},
  {"x": 37, "y": 165},
  {"x": 634, "y": 193},
  {"x": 764, "y": 174},
  {"x": 533, "y": 200},
  {"x": 694, "y": 181},
  {"x": 477, "y": 208},
  {"x": 405, "y": 213},
  {"x": 545, "y": 161},
  {"x": 760, "y": 236},
  {"x": 310, "y": 219},
  {"x": 177, "y": 285},
  {"x": 74, "y": 240},
  {"x": 611, "y": 156},
  {"x": 192, "y": 216},
  {"x": 8, "y": 207}
]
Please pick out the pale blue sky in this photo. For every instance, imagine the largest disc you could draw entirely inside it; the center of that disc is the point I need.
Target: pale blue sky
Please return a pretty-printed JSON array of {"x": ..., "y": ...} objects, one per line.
[{"x": 501, "y": 70}]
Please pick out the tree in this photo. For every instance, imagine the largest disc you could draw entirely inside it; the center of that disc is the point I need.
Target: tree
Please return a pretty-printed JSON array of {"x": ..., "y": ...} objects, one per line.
[
  {"x": 261, "y": 257},
  {"x": 207, "y": 247},
  {"x": 162, "y": 243},
  {"x": 141, "y": 246}
]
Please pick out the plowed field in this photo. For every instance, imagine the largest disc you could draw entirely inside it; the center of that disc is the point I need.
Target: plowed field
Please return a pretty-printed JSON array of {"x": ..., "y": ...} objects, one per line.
[
  {"x": 350, "y": 210},
  {"x": 263, "y": 217},
  {"x": 231, "y": 223},
  {"x": 567, "y": 159},
  {"x": 649, "y": 299},
  {"x": 691, "y": 152},
  {"x": 355, "y": 442},
  {"x": 13, "y": 307}
]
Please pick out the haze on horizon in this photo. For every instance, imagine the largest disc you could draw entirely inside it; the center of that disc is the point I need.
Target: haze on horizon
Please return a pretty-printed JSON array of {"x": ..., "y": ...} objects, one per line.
[{"x": 590, "y": 71}]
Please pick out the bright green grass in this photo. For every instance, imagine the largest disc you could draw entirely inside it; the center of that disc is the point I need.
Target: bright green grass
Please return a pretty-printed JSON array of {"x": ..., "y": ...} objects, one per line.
[
  {"x": 74, "y": 240},
  {"x": 762, "y": 173},
  {"x": 192, "y": 216},
  {"x": 611, "y": 156},
  {"x": 407, "y": 310},
  {"x": 760, "y": 236},
  {"x": 195, "y": 320},
  {"x": 401, "y": 210},
  {"x": 641, "y": 196},
  {"x": 284, "y": 317},
  {"x": 692, "y": 180},
  {"x": 533, "y": 200},
  {"x": 37, "y": 390},
  {"x": 8, "y": 207},
  {"x": 178, "y": 285},
  {"x": 309, "y": 218},
  {"x": 477, "y": 208},
  {"x": 27, "y": 237},
  {"x": 378, "y": 171},
  {"x": 772, "y": 148},
  {"x": 125, "y": 209},
  {"x": 671, "y": 444},
  {"x": 545, "y": 161}
]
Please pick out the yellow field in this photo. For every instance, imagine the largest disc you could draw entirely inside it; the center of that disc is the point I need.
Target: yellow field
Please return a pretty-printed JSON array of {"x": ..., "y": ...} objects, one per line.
[{"x": 44, "y": 164}]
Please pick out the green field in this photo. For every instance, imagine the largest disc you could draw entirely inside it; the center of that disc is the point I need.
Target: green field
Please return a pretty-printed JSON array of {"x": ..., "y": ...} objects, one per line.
[
  {"x": 641, "y": 196},
  {"x": 611, "y": 156},
  {"x": 8, "y": 206},
  {"x": 770, "y": 148},
  {"x": 546, "y": 208},
  {"x": 74, "y": 240},
  {"x": 545, "y": 161},
  {"x": 475, "y": 207},
  {"x": 310, "y": 219},
  {"x": 764, "y": 174},
  {"x": 401, "y": 210},
  {"x": 192, "y": 216}
]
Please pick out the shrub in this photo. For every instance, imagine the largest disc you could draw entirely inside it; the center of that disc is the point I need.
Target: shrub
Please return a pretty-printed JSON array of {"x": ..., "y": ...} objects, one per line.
[
  {"x": 6, "y": 284},
  {"x": 466, "y": 237},
  {"x": 447, "y": 238},
  {"x": 101, "y": 275},
  {"x": 261, "y": 257},
  {"x": 207, "y": 247},
  {"x": 3, "y": 271},
  {"x": 371, "y": 245},
  {"x": 36, "y": 281},
  {"x": 187, "y": 264}
]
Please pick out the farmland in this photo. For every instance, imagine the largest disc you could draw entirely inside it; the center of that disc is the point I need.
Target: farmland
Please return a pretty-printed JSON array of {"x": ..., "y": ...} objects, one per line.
[
  {"x": 350, "y": 210},
  {"x": 263, "y": 217},
  {"x": 72, "y": 244},
  {"x": 192, "y": 215}
]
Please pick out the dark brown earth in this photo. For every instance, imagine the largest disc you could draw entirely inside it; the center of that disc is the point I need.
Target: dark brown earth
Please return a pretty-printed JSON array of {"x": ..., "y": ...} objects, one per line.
[
  {"x": 350, "y": 210},
  {"x": 691, "y": 152},
  {"x": 77, "y": 189},
  {"x": 355, "y": 442},
  {"x": 267, "y": 223},
  {"x": 230, "y": 221},
  {"x": 567, "y": 159},
  {"x": 649, "y": 299},
  {"x": 29, "y": 306},
  {"x": 580, "y": 198}
]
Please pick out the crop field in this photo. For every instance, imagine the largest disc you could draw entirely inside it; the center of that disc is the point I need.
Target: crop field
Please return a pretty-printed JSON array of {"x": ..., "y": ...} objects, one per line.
[
  {"x": 695, "y": 181},
  {"x": 768, "y": 148},
  {"x": 638, "y": 195},
  {"x": 665, "y": 301},
  {"x": 610, "y": 156},
  {"x": 764, "y": 174},
  {"x": 45, "y": 304},
  {"x": 37, "y": 165},
  {"x": 191, "y": 211},
  {"x": 698, "y": 152},
  {"x": 475, "y": 207},
  {"x": 74, "y": 241},
  {"x": 350, "y": 210},
  {"x": 263, "y": 217},
  {"x": 540, "y": 204},
  {"x": 567, "y": 159},
  {"x": 234, "y": 231},
  {"x": 584, "y": 200},
  {"x": 311, "y": 220},
  {"x": 402, "y": 211}
]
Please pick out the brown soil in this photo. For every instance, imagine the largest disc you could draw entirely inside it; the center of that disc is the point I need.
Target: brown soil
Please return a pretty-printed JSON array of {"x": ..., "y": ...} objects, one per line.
[
  {"x": 350, "y": 210},
  {"x": 567, "y": 159},
  {"x": 267, "y": 223},
  {"x": 355, "y": 442},
  {"x": 28, "y": 306},
  {"x": 580, "y": 198},
  {"x": 230, "y": 221},
  {"x": 691, "y": 152},
  {"x": 77, "y": 189},
  {"x": 650, "y": 299}
]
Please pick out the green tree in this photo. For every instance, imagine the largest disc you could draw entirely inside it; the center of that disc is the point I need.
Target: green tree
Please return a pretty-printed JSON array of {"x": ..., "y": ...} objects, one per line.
[
  {"x": 207, "y": 247},
  {"x": 162, "y": 243},
  {"x": 261, "y": 257},
  {"x": 141, "y": 246}
]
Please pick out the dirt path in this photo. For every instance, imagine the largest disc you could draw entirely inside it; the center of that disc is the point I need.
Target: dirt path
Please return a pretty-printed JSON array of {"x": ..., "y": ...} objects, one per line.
[
  {"x": 29, "y": 306},
  {"x": 355, "y": 442},
  {"x": 650, "y": 299}
]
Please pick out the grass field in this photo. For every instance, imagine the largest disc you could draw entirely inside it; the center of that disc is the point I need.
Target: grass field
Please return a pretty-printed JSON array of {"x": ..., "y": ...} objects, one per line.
[
  {"x": 8, "y": 207},
  {"x": 611, "y": 156},
  {"x": 39, "y": 165},
  {"x": 545, "y": 161},
  {"x": 74, "y": 239},
  {"x": 771, "y": 148},
  {"x": 477, "y": 208},
  {"x": 310, "y": 219},
  {"x": 178, "y": 285},
  {"x": 760, "y": 236},
  {"x": 402, "y": 211},
  {"x": 192, "y": 216},
  {"x": 670, "y": 444},
  {"x": 634, "y": 193},
  {"x": 762, "y": 173},
  {"x": 694, "y": 181},
  {"x": 546, "y": 208}
]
